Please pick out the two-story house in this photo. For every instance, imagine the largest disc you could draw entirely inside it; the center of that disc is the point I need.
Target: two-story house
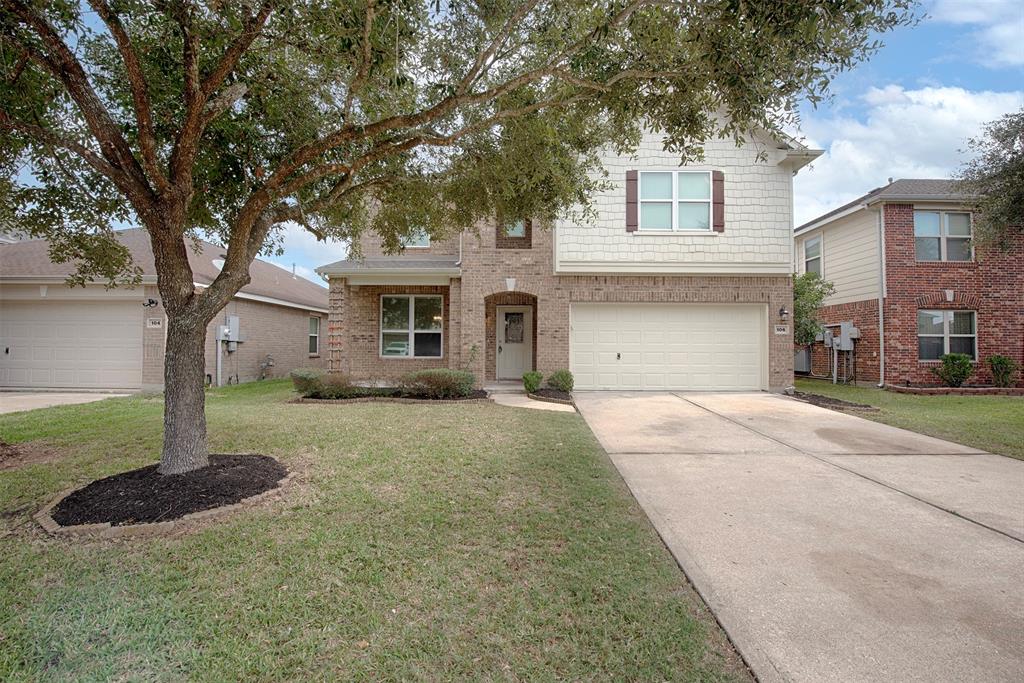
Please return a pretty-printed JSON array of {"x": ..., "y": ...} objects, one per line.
[
  {"x": 683, "y": 281},
  {"x": 908, "y": 276}
]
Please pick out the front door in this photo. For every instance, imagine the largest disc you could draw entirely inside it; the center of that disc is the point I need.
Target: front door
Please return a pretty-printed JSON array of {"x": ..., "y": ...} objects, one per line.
[{"x": 514, "y": 336}]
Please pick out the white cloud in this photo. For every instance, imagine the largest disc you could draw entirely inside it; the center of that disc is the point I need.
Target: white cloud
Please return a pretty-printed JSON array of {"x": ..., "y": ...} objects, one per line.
[
  {"x": 900, "y": 134},
  {"x": 996, "y": 27},
  {"x": 303, "y": 249}
]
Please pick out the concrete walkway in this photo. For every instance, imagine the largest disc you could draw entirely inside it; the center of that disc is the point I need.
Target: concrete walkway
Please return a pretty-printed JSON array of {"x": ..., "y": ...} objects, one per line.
[
  {"x": 513, "y": 395},
  {"x": 17, "y": 401},
  {"x": 831, "y": 548}
]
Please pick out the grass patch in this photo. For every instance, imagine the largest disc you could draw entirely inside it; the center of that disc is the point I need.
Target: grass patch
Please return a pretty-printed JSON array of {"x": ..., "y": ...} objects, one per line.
[
  {"x": 991, "y": 423},
  {"x": 424, "y": 542}
]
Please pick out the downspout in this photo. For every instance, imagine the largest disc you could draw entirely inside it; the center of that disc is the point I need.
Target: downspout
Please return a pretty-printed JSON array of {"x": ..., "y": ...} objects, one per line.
[{"x": 881, "y": 296}]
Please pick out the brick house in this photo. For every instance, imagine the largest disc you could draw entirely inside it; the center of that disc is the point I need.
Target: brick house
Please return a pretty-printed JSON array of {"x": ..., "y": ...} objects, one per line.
[
  {"x": 91, "y": 338},
  {"x": 908, "y": 277},
  {"x": 681, "y": 281}
]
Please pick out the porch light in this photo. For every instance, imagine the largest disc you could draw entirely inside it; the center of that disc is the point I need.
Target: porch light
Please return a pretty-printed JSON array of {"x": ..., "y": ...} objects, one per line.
[
  {"x": 783, "y": 313},
  {"x": 510, "y": 284}
]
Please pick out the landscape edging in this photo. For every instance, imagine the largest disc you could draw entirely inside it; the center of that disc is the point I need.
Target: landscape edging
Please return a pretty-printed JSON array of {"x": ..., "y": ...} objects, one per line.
[
  {"x": 956, "y": 391},
  {"x": 548, "y": 399},
  {"x": 391, "y": 399},
  {"x": 108, "y": 530}
]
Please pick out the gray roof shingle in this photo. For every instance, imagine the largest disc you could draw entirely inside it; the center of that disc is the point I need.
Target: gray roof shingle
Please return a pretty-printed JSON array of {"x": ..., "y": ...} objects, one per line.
[
  {"x": 917, "y": 189},
  {"x": 31, "y": 259}
]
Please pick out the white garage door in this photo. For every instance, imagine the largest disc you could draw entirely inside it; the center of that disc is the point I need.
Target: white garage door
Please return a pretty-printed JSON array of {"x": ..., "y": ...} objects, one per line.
[
  {"x": 668, "y": 346},
  {"x": 71, "y": 345}
]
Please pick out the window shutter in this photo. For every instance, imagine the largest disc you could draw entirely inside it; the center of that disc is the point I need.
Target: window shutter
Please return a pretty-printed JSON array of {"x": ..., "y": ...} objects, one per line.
[
  {"x": 718, "y": 201},
  {"x": 631, "y": 201}
]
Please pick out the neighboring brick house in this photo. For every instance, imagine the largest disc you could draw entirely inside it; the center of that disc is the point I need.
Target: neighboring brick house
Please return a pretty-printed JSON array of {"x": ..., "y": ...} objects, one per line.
[
  {"x": 681, "y": 281},
  {"x": 932, "y": 293},
  {"x": 92, "y": 338}
]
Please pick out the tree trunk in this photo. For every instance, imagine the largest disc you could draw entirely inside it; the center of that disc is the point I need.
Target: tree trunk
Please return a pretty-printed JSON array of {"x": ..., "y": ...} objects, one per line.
[{"x": 185, "y": 446}]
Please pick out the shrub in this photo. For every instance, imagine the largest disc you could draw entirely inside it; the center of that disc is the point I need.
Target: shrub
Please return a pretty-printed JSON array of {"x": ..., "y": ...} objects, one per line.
[
  {"x": 307, "y": 380},
  {"x": 532, "y": 380},
  {"x": 1003, "y": 370},
  {"x": 955, "y": 369},
  {"x": 438, "y": 383},
  {"x": 336, "y": 386},
  {"x": 561, "y": 380}
]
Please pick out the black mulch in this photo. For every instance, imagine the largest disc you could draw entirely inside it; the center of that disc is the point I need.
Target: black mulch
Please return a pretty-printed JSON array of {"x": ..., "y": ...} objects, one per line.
[
  {"x": 831, "y": 403},
  {"x": 548, "y": 392},
  {"x": 144, "y": 495}
]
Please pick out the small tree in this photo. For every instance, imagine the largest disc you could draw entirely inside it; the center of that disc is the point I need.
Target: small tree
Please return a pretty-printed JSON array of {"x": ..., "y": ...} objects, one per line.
[
  {"x": 237, "y": 118},
  {"x": 809, "y": 293},
  {"x": 994, "y": 177}
]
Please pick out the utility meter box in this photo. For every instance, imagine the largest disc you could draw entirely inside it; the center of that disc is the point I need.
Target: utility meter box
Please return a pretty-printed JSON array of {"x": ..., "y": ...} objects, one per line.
[
  {"x": 826, "y": 336},
  {"x": 847, "y": 333}
]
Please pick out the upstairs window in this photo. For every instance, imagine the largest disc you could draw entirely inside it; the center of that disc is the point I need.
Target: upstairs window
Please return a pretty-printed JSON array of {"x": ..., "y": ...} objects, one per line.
[
  {"x": 516, "y": 234},
  {"x": 942, "y": 332},
  {"x": 314, "y": 335},
  {"x": 942, "y": 236},
  {"x": 675, "y": 200},
  {"x": 417, "y": 240},
  {"x": 812, "y": 255}
]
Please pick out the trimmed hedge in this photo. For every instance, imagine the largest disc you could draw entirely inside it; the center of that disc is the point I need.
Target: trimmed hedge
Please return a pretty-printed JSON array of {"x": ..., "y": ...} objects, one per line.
[
  {"x": 532, "y": 380},
  {"x": 561, "y": 380},
  {"x": 438, "y": 383}
]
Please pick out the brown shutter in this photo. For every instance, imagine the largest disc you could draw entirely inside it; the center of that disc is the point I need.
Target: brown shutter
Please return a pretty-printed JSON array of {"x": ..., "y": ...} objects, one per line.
[
  {"x": 718, "y": 201},
  {"x": 631, "y": 199}
]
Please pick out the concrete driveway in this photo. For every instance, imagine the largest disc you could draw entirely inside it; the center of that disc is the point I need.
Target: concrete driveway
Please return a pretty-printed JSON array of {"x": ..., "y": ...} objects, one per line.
[
  {"x": 16, "y": 401},
  {"x": 831, "y": 548}
]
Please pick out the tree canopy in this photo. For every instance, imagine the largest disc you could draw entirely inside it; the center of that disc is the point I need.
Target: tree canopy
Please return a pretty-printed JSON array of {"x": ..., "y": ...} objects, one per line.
[
  {"x": 995, "y": 176},
  {"x": 234, "y": 119}
]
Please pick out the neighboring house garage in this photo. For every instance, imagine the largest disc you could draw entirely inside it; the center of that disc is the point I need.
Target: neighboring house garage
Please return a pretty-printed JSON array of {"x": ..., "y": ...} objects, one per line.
[
  {"x": 669, "y": 346},
  {"x": 73, "y": 344},
  {"x": 53, "y": 336}
]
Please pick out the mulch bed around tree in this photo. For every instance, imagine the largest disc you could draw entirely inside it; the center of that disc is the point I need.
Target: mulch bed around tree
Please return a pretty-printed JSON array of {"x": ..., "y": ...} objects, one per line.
[
  {"x": 144, "y": 495},
  {"x": 831, "y": 403},
  {"x": 557, "y": 395}
]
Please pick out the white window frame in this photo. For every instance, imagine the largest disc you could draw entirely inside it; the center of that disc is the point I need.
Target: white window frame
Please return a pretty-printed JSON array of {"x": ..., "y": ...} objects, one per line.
[
  {"x": 410, "y": 328},
  {"x": 820, "y": 257},
  {"x": 675, "y": 173},
  {"x": 421, "y": 235},
  {"x": 315, "y": 336},
  {"x": 947, "y": 318},
  {"x": 943, "y": 235}
]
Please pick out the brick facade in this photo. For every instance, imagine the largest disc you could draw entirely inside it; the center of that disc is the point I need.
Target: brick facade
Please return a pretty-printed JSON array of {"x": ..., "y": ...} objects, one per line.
[
  {"x": 471, "y": 301},
  {"x": 992, "y": 285},
  {"x": 280, "y": 332},
  {"x": 864, "y": 315}
]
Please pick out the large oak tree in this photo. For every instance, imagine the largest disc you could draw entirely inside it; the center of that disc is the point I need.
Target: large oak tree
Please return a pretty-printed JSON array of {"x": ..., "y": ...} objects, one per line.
[{"x": 234, "y": 118}]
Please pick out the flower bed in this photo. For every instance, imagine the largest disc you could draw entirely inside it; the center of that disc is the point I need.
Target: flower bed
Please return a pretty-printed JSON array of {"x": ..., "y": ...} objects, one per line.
[{"x": 551, "y": 396}]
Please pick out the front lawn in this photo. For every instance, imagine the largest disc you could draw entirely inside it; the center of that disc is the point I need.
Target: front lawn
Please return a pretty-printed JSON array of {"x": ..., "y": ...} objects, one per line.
[
  {"x": 434, "y": 542},
  {"x": 991, "y": 423}
]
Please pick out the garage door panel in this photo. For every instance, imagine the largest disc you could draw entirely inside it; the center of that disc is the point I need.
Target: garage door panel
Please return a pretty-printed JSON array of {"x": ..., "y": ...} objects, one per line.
[
  {"x": 667, "y": 346},
  {"x": 81, "y": 344}
]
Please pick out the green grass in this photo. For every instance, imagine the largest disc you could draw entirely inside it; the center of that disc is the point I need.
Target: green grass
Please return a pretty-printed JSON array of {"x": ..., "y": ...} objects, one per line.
[
  {"x": 422, "y": 542},
  {"x": 991, "y": 423}
]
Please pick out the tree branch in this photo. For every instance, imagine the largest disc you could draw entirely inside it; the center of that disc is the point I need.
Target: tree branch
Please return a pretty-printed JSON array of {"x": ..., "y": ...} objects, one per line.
[
  {"x": 496, "y": 43},
  {"x": 62, "y": 64},
  {"x": 140, "y": 91},
  {"x": 364, "y": 64}
]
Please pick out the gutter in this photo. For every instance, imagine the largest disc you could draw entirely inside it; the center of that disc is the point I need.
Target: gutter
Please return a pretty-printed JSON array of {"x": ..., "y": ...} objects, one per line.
[{"x": 881, "y": 296}]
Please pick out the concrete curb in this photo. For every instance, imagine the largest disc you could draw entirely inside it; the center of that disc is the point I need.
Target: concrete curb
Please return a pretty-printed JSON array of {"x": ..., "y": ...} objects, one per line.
[{"x": 107, "y": 530}]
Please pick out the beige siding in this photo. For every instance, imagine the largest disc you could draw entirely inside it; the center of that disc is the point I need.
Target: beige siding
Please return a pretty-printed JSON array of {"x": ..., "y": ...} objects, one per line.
[
  {"x": 849, "y": 256},
  {"x": 758, "y": 235}
]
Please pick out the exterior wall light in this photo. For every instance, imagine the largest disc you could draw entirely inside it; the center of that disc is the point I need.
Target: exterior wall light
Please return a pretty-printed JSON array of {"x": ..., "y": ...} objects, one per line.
[{"x": 783, "y": 313}]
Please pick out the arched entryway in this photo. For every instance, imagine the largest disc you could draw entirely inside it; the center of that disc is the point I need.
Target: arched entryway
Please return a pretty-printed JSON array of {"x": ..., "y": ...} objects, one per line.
[{"x": 510, "y": 323}]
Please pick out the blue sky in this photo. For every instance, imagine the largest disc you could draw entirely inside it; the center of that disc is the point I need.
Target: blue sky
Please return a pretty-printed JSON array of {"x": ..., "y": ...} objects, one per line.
[{"x": 904, "y": 114}]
